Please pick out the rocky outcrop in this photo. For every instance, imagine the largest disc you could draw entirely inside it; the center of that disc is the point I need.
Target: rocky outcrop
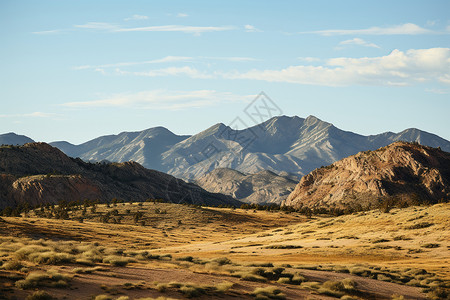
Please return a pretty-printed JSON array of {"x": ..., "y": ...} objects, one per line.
[
  {"x": 409, "y": 171},
  {"x": 38, "y": 173},
  {"x": 262, "y": 187}
]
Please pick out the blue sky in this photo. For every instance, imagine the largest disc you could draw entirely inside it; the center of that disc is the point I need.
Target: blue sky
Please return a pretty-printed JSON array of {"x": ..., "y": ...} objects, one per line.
[{"x": 75, "y": 70}]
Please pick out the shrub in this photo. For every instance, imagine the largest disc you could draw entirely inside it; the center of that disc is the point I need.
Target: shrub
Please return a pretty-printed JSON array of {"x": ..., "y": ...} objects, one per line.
[
  {"x": 431, "y": 245},
  {"x": 222, "y": 261},
  {"x": 39, "y": 295},
  {"x": 13, "y": 265},
  {"x": 191, "y": 291},
  {"x": 268, "y": 292},
  {"x": 51, "y": 258},
  {"x": 224, "y": 286},
  {"x": 103, "y": 297},
  {"x": 185, "y": 258},
  {"x": 283, "y": 247},
  {"x": 49, "y": 279},
  {"x": 117, "y": 261},
  {"x": 420, "y": 225}
]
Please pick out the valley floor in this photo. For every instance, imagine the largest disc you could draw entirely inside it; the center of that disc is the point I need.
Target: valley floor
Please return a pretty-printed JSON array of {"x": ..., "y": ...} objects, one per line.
[{"x": 179, "y": 251}]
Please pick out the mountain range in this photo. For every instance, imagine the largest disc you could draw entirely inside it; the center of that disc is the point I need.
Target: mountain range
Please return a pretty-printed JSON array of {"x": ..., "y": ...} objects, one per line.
[
  {"x": 283, "y": 145},
  {"x": 37, "y": 173}
]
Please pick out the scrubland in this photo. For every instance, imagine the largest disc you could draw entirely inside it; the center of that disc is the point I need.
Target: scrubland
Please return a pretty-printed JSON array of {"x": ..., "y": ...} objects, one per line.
[{"x": 168, "y": 251}]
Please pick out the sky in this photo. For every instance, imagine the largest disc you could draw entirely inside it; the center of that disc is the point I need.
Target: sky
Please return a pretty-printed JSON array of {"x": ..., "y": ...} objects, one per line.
[{"x": 76, "y": 70}]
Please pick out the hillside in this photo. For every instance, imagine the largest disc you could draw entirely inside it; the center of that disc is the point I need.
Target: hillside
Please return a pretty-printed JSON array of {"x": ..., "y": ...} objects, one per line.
[
  {"x": 262, "y": 187},
  {"x": 400, "y": 172},
  {"x": 38, "y": 173}
]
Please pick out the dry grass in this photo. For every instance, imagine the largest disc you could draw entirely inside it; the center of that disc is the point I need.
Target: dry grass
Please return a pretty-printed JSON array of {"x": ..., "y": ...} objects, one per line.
[{"x": 408, "y": 247}]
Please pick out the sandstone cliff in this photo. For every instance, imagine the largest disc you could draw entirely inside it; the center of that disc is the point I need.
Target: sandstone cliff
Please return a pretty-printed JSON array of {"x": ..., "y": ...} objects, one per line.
[
  {"x": 38, "y": 173},
  {"x": 409, "y": 171}
]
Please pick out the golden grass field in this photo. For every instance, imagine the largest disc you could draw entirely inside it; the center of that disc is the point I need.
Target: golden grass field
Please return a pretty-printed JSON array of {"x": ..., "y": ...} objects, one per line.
[{"x": 180, "y": 251}]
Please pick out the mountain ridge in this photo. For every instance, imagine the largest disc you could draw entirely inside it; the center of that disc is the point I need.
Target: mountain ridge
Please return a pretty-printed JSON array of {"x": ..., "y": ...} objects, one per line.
[{"x": 280, "y": 144}]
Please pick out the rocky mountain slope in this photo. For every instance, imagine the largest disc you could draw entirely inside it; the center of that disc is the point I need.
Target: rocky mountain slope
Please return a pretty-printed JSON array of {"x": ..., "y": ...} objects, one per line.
[
  {"x": 38, "y": 173},
  {"x": 262, "y": 187},
  {"x": 400, "y": 172},
  {"x": 292, "y": 145},
  {"x": 144, "y": 147}
]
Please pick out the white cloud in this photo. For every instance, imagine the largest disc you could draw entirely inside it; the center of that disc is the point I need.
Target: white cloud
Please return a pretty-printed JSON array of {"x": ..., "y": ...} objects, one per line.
[
  {"x": 166, "y": 59},
  {"x": 230, "y": 58},
  {"x": 359, "y": 42},
  {"x": 178, "y": 28},
  {"x": 251, "y": 28},
  {"x": 308, "y": 59},
  {"x": 99, "y": 26},
  {"x": 397, "y": 68},
  {"x": 182, "y": 15},
  {"x": 36, "y": 114},
  {"x": 170, "y": 71},
  {"x": 407, "y": 29},
  {"x": 163, "y": 99},
  {"x": 136, "y": 18},
  {"x": 55, "y": 31}
]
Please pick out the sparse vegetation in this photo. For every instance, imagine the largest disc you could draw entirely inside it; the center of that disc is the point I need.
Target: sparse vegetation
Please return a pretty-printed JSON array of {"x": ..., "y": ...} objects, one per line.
[{"x": 150, "y": 247}]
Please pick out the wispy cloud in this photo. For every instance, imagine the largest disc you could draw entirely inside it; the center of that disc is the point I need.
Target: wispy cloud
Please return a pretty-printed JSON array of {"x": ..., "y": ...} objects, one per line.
[
  {"x": 182, "y": 15},
  {"x": 397, "y": 69},
  {"x": 99, "y": 26},
  {"x": 136, "y": 18},
  {"x": 229, "y": 58},
  {"x": 359, "y": 42},
  {"x": 163, "y": 100},
  {"x": 36, "y": 114},
  {"x": 308, "y": 59},
  {"x": 55, "y": 31},
  {"x": 403, "y": 29},
  {"x": 170, "y": 71},
  {"x": 178, "y": 28},
  {"x": 167, "y": 59},
  {"x": 251, "y": 28},
  {"x": 110, "y": 27}
]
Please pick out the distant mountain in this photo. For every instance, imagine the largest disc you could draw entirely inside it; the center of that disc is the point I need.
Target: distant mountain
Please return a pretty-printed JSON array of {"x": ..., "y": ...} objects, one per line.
[
  {"x": 284, "y": 145},
  {"x": 38, "y": 173},
  {"x": 144, "y": 147},
  {"x": 263, "y": 187},
  {"x": 281, "y": 144},
  {"x": 14, "y": 139},
  {"x": 406, "y": 172}
]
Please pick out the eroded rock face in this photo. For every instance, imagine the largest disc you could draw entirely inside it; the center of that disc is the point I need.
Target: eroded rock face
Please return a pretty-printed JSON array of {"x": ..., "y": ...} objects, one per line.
[
  {"x": 54, "y": 188},
  {"x": 38, "y": 173},
  {"x": 412, "y": 171},
  {"x": 261, "y": 187}
]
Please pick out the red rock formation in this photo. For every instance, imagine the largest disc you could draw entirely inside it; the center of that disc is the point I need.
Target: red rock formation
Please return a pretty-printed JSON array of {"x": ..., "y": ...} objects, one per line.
[{"x": 412, "y": 171}]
